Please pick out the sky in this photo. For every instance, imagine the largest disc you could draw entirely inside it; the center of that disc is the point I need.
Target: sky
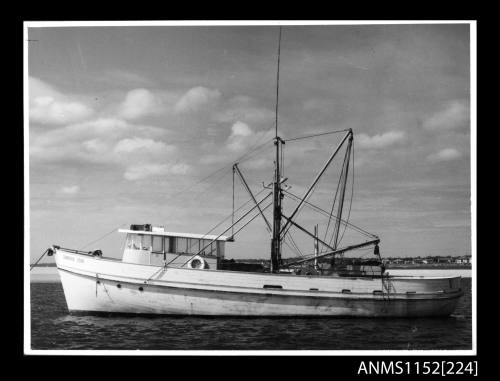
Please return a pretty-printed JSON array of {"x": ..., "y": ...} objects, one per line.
[{"x": 141, "y": 124}]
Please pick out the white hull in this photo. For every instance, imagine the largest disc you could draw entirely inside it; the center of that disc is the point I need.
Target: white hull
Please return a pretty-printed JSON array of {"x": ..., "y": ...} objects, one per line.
[{"x": 109, "y": 286}]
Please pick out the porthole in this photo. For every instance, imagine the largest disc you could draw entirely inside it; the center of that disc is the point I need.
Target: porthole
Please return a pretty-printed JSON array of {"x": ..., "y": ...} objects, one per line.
[
  {"x": 141, "y": 289},
  {"x": 119, "y": 285}
]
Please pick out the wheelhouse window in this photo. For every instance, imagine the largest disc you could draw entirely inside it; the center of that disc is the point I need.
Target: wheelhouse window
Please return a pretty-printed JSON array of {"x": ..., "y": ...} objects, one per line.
[
  {"x": 210, "y": 248},
  {"x": 157, "y": 244},
  {"x": 146, "y": 242},
  {"x": 133, "y": 241},
  {"x": 175, "y": 245},
  {"x": 193, "y": 246},
  {"x": 181, "y": 245}
]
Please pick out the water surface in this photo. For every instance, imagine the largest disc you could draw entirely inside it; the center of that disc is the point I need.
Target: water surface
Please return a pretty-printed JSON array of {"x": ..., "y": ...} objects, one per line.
[{"x": 53, "y": 328}]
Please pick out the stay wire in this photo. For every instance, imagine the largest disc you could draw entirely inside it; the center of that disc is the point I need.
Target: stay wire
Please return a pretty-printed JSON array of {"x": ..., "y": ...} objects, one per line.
[
  {"x": 325, "y": 213},
  {"x": 333, "y": 203},
  {"x": 102, "y": 237},
  {"x": 345, "y": 167},
  {"x": 315, "y": 135},
  {"x": 352, "y": 194}
]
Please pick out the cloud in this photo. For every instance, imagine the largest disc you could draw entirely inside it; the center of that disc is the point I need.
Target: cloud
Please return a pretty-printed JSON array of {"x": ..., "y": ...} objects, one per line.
[
  {"x": 196, "y": 99},
  {"x": 138, "y": 103},
  {"x": 245, "y": 109},
  {"x": 108, "y": 141},
  {"x": 241, "y": 129},
  {"x": 380, "y": 140},
  {"x": 135, "y": 144},
  {"x": 455, "y": 115},
  {"x": 89, "y": 141},
  {"x": 242, "y": 137},
  {"x": 141, "y": 171},
  {"x": 140, "y": 150},
  {"x": 73, "y": 189},
  {"x": 59, "y": 143},
  {"x": 49, "y": 106},
  {"x": 446, "y": 154}
]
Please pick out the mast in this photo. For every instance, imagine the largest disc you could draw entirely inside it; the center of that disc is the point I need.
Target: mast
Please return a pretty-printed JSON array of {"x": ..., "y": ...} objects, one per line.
[
  {"x": 277, "y": 191},
  {"x": 277, "y": 214}
]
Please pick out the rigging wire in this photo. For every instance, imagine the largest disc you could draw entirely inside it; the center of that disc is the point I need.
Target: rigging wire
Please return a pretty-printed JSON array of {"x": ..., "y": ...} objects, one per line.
[
  {"x": 333, "y": 204},
  {"x": 232, "y": 215},
  {"x": 295, "y": 245},
  {"x": 102, "y": 237},
  {"x": 325, "y": 213},
  {"x": 240, "y": 159},
  {"x": 315, "y": 135},
  {"x": 229, "y": 216},
  {"x": 239, "y": 219},
  {"x": 343, "y": 176},
  {"x": 216, "y": 181},
  {"x": 352, "y": 194},
  {"x": 297, "y": 253}
]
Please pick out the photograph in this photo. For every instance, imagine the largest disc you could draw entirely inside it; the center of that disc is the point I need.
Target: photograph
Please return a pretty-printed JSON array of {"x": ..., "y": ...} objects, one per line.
[{"x": 250, "y": 187}]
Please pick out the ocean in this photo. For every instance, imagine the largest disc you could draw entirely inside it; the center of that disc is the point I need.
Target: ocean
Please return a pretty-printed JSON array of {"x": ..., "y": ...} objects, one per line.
[{"x": 52, "y": 327}]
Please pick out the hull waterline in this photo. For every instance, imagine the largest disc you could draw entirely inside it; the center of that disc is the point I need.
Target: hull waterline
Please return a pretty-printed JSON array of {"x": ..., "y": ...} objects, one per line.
[{"x": 93, "y": 285}]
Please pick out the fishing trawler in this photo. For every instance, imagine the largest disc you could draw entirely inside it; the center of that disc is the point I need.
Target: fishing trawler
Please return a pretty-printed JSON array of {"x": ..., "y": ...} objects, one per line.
[{"x": 172, "y": 273}]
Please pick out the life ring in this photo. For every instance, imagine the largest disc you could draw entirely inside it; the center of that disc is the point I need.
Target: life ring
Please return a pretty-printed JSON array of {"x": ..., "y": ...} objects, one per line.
[{"x": 197, "y": 263}]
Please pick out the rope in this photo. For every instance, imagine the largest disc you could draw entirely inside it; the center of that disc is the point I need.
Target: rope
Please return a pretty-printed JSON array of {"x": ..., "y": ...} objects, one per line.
[{"x": 38, "y": 260}]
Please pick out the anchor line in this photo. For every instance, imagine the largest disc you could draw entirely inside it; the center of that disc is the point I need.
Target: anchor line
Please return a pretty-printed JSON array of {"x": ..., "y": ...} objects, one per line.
[{"x": 39, "y": 259}]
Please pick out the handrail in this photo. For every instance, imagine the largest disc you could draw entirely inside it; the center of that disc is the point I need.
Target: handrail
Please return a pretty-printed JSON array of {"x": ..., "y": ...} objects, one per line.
[{"x": 73, "y": 250}]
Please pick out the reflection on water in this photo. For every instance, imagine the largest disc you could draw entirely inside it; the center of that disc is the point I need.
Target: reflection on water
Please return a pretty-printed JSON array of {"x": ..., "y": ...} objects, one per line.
[{"x": 53, "y": 328}]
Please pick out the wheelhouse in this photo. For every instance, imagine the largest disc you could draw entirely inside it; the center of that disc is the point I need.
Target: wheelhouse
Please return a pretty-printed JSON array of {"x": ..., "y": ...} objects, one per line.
[{"x": 152, "y": 245}]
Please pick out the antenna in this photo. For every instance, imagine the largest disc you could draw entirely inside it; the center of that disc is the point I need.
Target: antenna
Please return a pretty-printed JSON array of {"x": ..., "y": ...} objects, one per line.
[{"x": 278, "y": 82}]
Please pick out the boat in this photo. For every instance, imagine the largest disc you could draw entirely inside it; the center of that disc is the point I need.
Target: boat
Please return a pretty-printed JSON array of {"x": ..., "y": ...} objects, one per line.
[{"x": 172, "y": 273}]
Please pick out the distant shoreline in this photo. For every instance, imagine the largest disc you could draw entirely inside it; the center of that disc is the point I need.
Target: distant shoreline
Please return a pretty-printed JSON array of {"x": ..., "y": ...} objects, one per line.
[
  {"x": 440, "y": 266},
  {"x": 430, "y": 267},
  {"x": 44, "y": 265}
]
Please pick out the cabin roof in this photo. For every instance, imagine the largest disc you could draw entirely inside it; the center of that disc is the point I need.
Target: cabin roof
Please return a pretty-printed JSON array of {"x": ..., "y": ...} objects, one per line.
[{"x": 174, "y": 234}]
